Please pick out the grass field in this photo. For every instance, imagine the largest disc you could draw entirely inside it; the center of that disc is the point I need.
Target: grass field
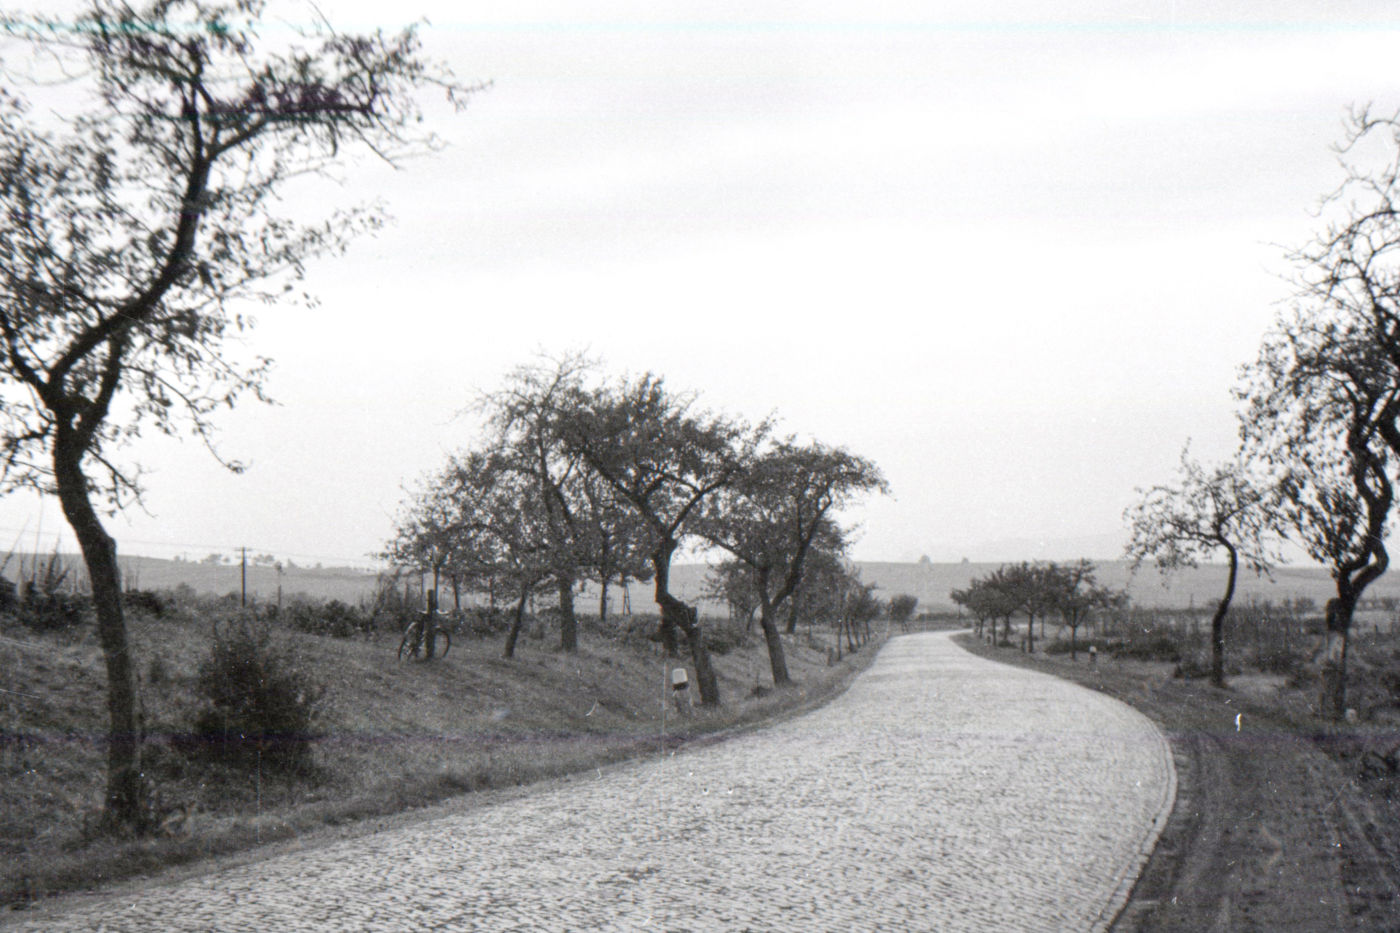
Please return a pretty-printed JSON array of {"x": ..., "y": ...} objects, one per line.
[{"x": 397, "y": 736}]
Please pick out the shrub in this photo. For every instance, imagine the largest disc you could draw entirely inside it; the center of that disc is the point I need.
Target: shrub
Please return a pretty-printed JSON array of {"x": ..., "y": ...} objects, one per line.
[
  {"x": 260, "y": 706},
  {"x": 1061, "y": 645},
  {"x": 333, "y": 618},
  {"x": 145, "y": 601},
  {"x": 483, "y": 622},
  {"x": 1156, "y": 647},
  {"x": 723, "y": 636},
  {"x": 1192, "y": 667},
  {"x": 641, "y": 630},
  {"x": 390, "y": 607},
  {"x": 1279, "y": 660},
  {"x": 50, "y": 612}
]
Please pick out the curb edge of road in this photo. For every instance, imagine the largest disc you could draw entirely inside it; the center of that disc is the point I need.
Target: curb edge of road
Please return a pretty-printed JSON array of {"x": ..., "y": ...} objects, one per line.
[{"x": 1129, "y": 878}]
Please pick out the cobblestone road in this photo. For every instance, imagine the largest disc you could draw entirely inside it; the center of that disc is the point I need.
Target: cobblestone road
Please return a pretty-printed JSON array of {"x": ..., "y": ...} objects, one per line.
[{"x": 941, "y": 792}]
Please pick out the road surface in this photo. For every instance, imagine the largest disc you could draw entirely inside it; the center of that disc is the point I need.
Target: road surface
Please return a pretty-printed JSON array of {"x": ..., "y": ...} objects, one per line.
[{"x": 940, "y": 792}]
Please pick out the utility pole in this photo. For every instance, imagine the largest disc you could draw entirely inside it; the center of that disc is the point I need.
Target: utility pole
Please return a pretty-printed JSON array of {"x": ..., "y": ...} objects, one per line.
[{"x": 243, "y": 576}]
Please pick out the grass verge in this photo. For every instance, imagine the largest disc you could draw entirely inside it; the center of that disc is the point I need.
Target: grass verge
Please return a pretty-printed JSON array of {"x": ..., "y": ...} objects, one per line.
[{"x": 396, "y": 738}]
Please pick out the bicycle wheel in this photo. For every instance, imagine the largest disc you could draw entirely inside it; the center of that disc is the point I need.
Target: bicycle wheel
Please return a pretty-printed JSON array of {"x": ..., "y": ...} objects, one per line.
[{"x": 409, "y": 644}]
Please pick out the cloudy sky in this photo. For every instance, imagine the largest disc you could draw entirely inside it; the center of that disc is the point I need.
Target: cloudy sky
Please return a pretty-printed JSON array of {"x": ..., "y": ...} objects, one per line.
[{"x": 1013, "y": 252}]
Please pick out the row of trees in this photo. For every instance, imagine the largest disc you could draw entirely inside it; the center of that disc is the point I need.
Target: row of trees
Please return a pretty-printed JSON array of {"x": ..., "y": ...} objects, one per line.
[
  {"x": 1319, "y": 416},
  {"x": 584, "y": 478},
  {"x": 1037, "y": 590}
]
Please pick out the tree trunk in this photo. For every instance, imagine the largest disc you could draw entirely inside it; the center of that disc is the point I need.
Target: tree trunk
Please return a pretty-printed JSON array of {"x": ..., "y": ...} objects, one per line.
[
  {"x": 125, "y": 795},
  {"x": 603, "y": 599},
  {"x": 1217, "y": 623},
  {"x": 516, "y": 624},
  {"x": 686, "y": 619},
  {"x": 1030, "y": 633},
  {"x": 792, "y": 613},
  {"x": 777, "y": 660},
  {"x": 1332, "y": 696},
  {"x": 677, "y": 615},
  {"x": 568, "y": 622}
]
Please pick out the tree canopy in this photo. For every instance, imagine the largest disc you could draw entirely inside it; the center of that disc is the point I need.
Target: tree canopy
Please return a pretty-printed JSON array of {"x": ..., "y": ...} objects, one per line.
[{"x": 605, "y": 473}]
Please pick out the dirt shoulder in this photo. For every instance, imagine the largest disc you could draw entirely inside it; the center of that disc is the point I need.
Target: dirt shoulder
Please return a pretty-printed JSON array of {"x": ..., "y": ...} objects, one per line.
[{"x": 1272, "y": 830}]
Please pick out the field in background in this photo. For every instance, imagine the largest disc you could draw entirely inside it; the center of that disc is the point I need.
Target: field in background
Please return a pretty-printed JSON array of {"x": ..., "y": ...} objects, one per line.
[{"x": 930, "y": 582}]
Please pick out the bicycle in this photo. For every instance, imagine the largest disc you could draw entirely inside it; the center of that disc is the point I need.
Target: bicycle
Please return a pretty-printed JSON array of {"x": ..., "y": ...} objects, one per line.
[{"x": 411, "y": 645}]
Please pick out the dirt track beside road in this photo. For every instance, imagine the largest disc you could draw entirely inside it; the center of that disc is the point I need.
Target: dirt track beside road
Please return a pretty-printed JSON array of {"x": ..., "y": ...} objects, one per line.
[{"x": 1269, "y": 832}]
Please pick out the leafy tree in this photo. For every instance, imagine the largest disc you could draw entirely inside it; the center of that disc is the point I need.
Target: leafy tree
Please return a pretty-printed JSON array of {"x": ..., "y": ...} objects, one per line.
[
  {"x": 989, "y": 599},
  {"x": 1207, "y": 510},
  {"x": 1321, "y": 407},
  {"x": 971, "y": 599},
  {"x": 618, "y": 539},
  {"x": 1076, "y": 594},
  {"x": 862, "y": 607},
  {"x": 131, "y": 230},
  {"x": 427, "y": 539},
  {"x": 1032, "y": 588},
  {"x": 525, "y": 418},
  {"x": 769, "y": 518},
  {"x": 732, "y": 582},
  {"x": 665, "y": 460},
  {"x": 901, "y": 609},
  {"x": 821, "y": 590}
]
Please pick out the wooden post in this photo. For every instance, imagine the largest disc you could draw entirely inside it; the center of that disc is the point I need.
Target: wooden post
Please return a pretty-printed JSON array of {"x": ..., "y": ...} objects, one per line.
[
  {"x": 243, "y": 579},
  {"x": 429, "y": 627}
]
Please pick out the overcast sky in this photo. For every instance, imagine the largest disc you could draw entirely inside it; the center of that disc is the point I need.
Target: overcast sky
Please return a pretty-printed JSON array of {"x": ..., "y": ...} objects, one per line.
[{"x": 1012, "y": 252}]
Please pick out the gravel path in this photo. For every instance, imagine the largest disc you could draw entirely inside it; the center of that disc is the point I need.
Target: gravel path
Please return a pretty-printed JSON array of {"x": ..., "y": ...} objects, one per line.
[{"x": 941, "y": 792}]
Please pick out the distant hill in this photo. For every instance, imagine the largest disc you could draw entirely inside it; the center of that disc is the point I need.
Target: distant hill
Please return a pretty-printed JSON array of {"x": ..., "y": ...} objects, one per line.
[{"x": 929, "y": 581}]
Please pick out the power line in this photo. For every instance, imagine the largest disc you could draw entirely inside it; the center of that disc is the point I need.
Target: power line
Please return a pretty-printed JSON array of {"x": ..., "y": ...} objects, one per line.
[{"x": 64, "y": 532}]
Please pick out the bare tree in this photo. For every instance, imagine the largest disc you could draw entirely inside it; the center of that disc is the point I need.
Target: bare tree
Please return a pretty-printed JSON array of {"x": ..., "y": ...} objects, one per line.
[
  {"x": 1321, "y": 407},
  {"x": 1205, "y": 512},
  {"x": 130, "y": 231},
  {"x": 1349, "y": 280}
]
